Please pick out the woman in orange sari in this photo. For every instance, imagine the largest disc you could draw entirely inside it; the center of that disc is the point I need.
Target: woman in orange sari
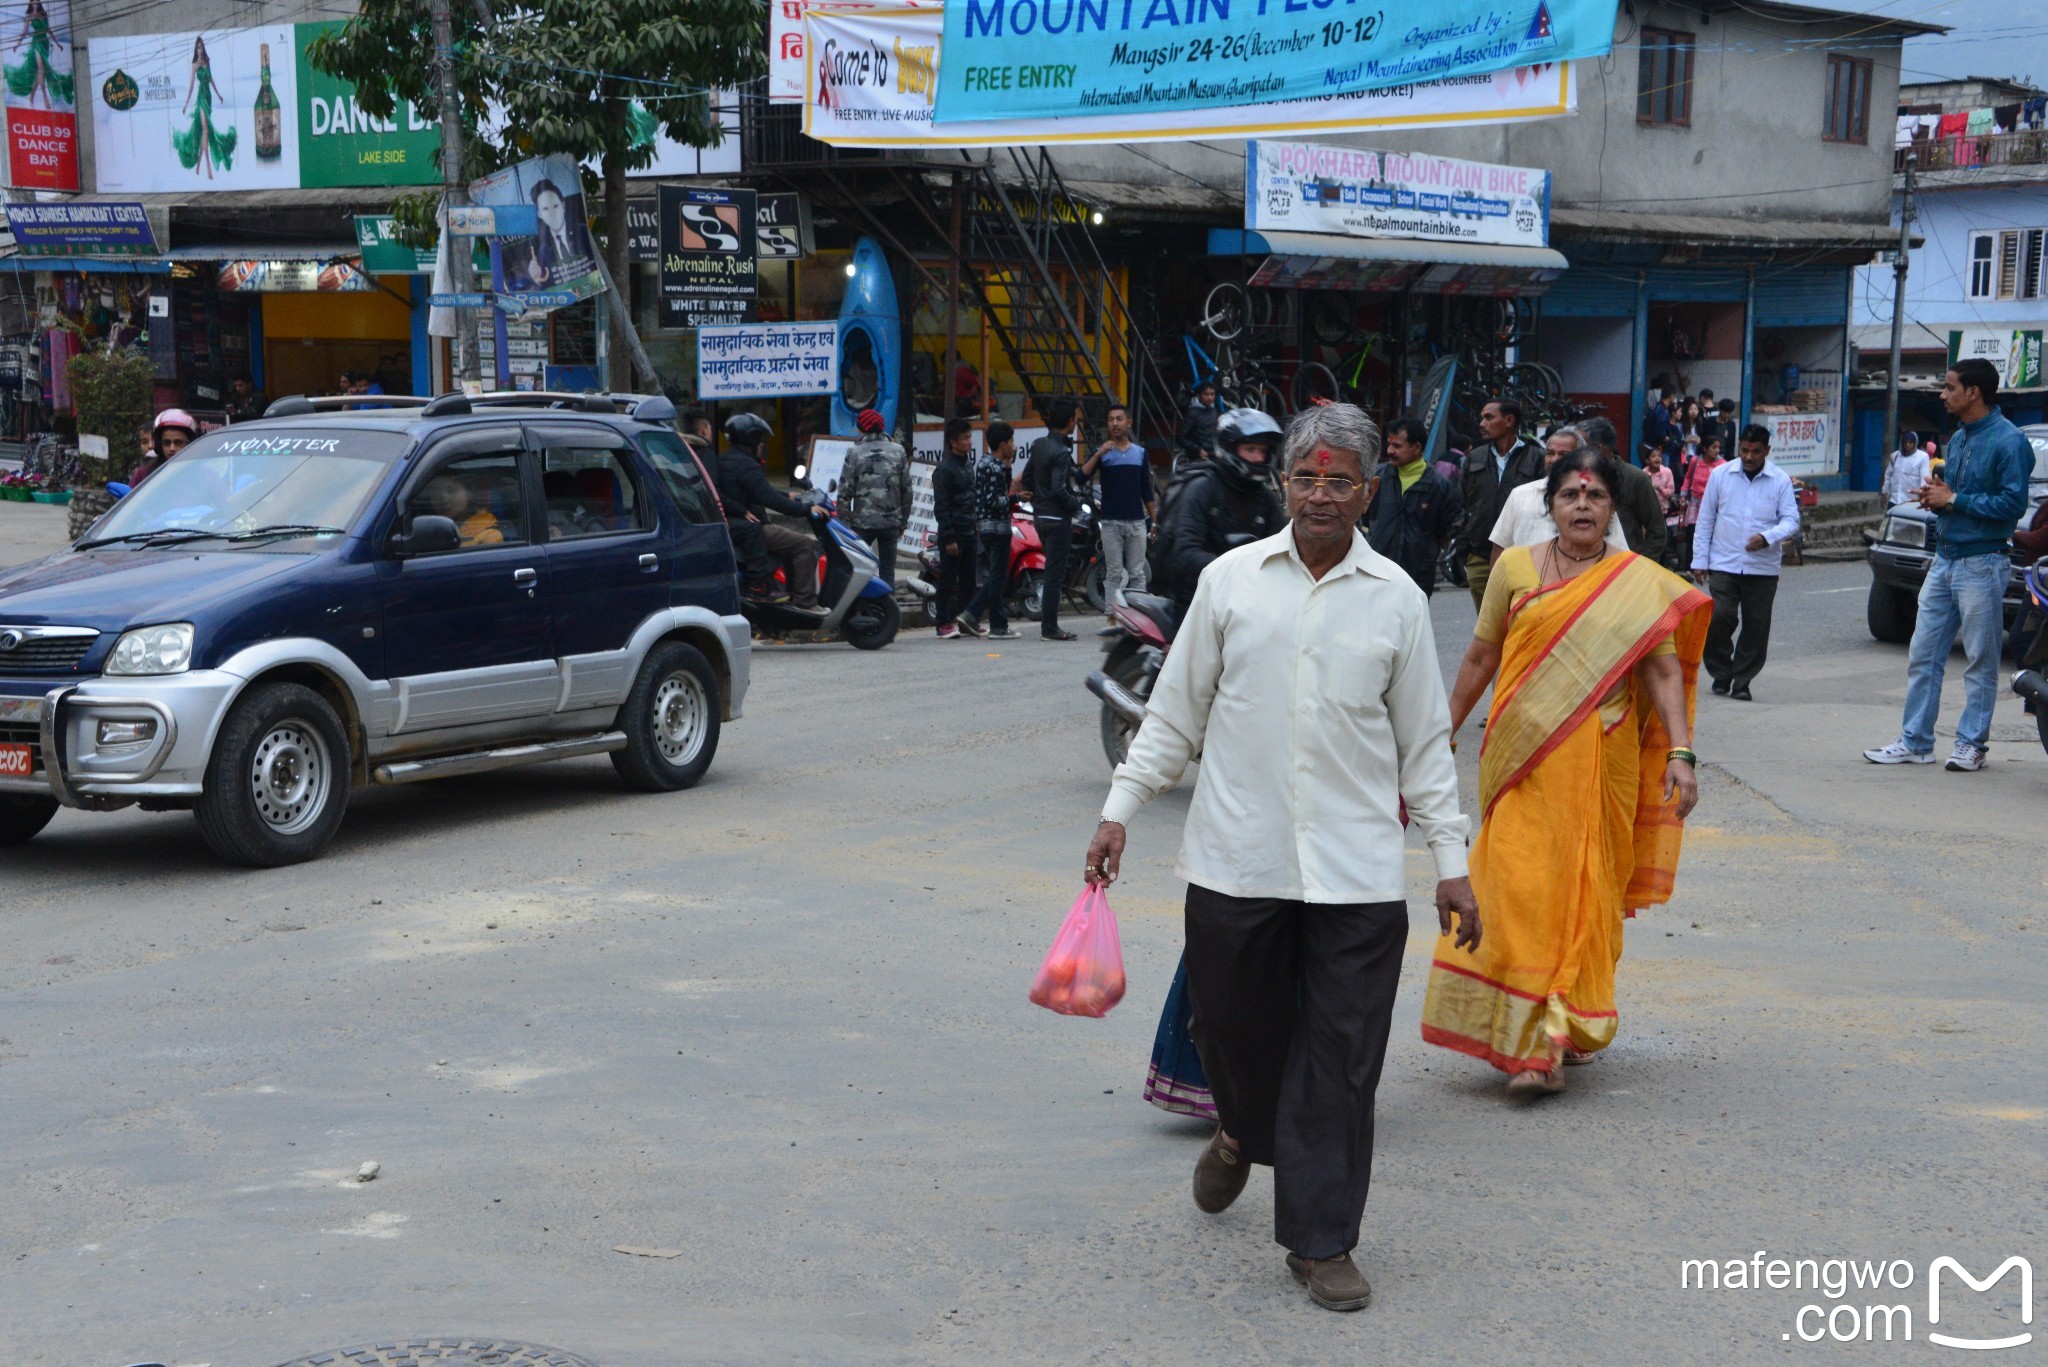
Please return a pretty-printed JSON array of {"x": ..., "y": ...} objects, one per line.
[{"x": 1584, "y": 782}]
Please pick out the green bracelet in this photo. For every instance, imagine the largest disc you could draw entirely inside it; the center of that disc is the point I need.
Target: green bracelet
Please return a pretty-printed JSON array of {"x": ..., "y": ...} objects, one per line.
[{"x": 1680, "y": 752}]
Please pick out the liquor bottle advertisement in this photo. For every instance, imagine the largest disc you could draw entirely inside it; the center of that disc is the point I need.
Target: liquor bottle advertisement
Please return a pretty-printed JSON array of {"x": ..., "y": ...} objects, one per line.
[
  {"x": 42, "y": 115},
  {"x": 195, "y": 111}
]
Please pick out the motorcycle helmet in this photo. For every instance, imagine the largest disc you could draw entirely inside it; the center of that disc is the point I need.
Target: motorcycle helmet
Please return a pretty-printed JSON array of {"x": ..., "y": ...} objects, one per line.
[
  {"x": 175, "y": 419},
  {"x": 1238, "y": 426},
  {"x": 747, "y": 430}
]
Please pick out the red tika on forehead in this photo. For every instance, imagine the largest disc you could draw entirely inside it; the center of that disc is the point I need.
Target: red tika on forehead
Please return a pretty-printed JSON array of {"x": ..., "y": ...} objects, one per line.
[{"x": 1322, "y": 456}]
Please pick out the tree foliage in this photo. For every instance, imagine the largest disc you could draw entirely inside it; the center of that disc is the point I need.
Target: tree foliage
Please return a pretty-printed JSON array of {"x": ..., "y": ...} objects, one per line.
[{"x": 112, "y": 393}]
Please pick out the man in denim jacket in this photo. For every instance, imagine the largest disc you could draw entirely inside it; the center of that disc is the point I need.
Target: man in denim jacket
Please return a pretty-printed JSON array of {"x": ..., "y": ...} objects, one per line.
[{"x": 1977, "y": 501}]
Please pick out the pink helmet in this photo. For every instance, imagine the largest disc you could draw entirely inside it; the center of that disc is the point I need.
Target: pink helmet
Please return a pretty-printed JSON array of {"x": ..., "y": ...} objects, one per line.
[{"x": 174, "y": 417}]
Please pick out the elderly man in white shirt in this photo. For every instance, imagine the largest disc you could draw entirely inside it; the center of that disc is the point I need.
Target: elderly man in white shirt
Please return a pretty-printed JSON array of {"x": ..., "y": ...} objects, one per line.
[
  {"x": 1747, "y": 514},
  {"x": 1305, "y": 676},
  {"x": 1524, "y": 521}
]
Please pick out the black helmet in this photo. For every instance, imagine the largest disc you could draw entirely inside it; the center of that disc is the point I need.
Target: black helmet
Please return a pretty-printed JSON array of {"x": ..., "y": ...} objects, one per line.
[
  {"x": 1241, "y": 425},
  {"x": 748, "y": 430}
]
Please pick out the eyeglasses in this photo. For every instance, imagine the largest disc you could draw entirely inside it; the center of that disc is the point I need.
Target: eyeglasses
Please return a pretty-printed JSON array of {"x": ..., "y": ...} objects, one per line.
[{"x": 1339, "y": 488}]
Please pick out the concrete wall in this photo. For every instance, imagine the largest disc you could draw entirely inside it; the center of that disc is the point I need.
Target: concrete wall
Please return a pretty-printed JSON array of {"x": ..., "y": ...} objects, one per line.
[{"x": 1754, "y": 147}]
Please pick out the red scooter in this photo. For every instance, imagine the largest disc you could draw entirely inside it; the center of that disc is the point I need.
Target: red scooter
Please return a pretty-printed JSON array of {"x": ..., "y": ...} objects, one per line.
[{"x": 1027, "y": 568}]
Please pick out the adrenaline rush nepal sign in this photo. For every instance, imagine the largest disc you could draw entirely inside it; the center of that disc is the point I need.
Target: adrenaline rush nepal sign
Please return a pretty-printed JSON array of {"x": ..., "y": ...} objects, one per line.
[
  {"x": 1049, "y": 58},
  {"x": 1311, "y": 188}
]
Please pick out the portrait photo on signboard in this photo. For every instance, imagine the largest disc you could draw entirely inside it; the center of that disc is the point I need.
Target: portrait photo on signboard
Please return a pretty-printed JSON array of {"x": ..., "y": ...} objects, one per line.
[
  {"x": 195, "y": 111},
  {"x": 558, "y": 256}
]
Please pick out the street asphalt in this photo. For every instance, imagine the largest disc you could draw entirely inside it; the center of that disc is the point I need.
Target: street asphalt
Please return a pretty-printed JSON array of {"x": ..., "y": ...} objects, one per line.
[{"x": 775, "y": 1030}]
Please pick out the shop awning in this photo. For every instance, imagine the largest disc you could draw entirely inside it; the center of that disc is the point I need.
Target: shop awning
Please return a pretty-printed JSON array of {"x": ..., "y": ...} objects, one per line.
[
  {"x": 1381, "y": 264},
  {"x": 267, "y": 251},
  {"x": 1233, "y": 242}
]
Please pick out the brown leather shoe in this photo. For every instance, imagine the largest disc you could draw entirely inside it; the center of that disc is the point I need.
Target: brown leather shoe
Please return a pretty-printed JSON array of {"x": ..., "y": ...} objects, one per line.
[
  {"x": 1333, "y": 1283},
  {"x": 1220, "y": 1174}
]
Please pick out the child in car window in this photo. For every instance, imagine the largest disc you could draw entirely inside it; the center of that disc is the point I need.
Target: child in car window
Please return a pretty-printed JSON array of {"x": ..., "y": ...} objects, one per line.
[{"x": 449, "y": 497}]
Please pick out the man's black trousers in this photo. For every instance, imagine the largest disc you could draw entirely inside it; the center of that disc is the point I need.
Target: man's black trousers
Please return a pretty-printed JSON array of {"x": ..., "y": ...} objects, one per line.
[
  {"x": 1733, "y": 659},
  {"x": 956, "y": 578},
  {"x": 750, "y": 549},
  {"x": 1292, "y": 1003},
  {"x": 1056, "y": 534}
]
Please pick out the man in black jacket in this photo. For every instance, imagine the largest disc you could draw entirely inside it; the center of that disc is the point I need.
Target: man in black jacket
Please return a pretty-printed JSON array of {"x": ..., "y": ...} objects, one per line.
[
  {"x": 1228, "y": 503},
  {"x": 748, "y": 497},
  {"x": 1415, "y": 511},
  {"x": 957, "y": 539},
  {"x": 1054, "y": 482},
  {"x": 1491, "y": 471},
  {"x": 1636, "y": 502}
]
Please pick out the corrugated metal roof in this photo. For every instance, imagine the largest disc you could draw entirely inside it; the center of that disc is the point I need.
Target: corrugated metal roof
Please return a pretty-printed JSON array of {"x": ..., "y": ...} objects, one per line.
[{"x": 1745, "y": 232}]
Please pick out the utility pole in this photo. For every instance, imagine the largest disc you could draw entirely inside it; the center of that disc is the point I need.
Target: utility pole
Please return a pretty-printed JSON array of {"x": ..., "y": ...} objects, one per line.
[
  {"x": 454, "y": 190},
  {"x": 1899, "y": 266}
]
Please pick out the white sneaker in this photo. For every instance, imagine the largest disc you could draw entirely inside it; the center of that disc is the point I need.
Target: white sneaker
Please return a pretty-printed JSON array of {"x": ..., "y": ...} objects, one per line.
[
  {"x": 1897, "y": 753},
  {"x": 1968, "y": 758}
]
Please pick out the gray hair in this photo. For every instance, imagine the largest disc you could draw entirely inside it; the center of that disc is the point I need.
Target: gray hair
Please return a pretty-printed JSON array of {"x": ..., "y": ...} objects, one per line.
[
  {"x": 1338, "y": 426},
  {"x": 1577, "y": 434},
  {"x": 1599, "y": 432}
]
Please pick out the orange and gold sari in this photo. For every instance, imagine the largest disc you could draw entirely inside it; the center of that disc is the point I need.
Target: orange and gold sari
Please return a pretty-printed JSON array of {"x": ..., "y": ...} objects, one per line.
[{"x": 1574, "y": 829}]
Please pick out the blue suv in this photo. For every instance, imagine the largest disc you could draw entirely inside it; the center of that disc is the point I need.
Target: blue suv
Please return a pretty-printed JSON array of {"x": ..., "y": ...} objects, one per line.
[{"x": 330, "y": 597}]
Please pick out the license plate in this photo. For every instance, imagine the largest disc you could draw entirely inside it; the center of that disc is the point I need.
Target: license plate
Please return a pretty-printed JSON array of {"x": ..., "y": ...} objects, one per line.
[{"x": 16, "y": 761}]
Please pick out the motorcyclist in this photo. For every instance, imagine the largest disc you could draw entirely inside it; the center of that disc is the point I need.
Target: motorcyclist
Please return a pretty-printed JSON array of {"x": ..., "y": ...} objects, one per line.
[
  {"x": 1227, "y": 501},
  {"x": 173, "y": 431},
  {"x": 748, "y": 498}
]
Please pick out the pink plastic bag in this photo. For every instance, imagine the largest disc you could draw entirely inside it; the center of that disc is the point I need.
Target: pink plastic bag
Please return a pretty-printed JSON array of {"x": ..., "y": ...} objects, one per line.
[{"x": 1083, "y": 972}]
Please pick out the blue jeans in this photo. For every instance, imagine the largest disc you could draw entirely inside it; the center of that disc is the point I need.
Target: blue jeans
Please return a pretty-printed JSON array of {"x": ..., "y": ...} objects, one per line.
[{"x": 1966, "y": 595}]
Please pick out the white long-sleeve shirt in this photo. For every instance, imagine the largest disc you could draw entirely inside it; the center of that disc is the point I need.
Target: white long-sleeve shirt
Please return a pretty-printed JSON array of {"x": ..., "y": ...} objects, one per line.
[
  {"x": 1910, "y": 471},
  {"x": 1315, "y": 706},
  {"x": 1735, "y": 508}
]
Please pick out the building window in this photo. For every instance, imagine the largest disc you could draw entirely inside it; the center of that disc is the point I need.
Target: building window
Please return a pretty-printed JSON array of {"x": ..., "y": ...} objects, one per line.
[
  {"x": 1982, "y": 246},
  {"x": 1848, "y": 111},
  {"x": 2009, "y": 265},
  {"x": 1664, "y": 79}
]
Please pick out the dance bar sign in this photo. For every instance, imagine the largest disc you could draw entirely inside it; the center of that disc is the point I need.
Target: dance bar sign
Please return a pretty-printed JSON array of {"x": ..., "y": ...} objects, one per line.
[
  {"x": 81, "y": 229},
  {"x": 42, "y": 113},
  {"x": 1023, "y": 59}
]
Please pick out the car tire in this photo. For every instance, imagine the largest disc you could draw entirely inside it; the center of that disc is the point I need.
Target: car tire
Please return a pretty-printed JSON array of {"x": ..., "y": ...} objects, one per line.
[
  {"x": 671, "y": 720},
  {"x": 1890, "y": 613},
  {"x": 22, "y": 818},
  {"x": 872, "y": 623},
  {"x": 277, "y": 783}
]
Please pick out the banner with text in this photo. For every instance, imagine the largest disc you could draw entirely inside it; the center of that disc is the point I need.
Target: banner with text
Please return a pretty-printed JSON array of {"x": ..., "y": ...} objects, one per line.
[
  {"x": 1304, "y": 187},
  {"x": 557, "y": 265},
  {"x": 81, "y": 229},
  {"x": 341, "y": 145},
  {"x": 1802, "y": 443},
  {"x": 1057, "y": 58},
  {"x": 2016, "y": 353},
  {"x": 709, "y": 269},
  {"x": 42, "y": 109},
  {"x": 885, "y": 98},
  {"x": 767, "y": 360}
]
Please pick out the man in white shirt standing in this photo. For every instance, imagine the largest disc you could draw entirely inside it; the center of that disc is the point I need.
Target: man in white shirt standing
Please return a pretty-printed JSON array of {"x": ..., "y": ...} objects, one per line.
[
  {"x": 1305, "y": 675},
  {"x": 1909, "y": 473},
  {"x": 1747, "y": 514},
  {"x": 1524, "y": 521}
]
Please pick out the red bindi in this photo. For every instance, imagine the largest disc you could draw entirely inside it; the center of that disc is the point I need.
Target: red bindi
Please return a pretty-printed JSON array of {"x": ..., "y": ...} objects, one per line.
[{"x": 1322, "y": 457}]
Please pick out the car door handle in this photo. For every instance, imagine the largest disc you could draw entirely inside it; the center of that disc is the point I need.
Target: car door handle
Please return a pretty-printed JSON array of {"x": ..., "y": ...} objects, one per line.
[
  {"x": 525, "y": 577},
  {"x": 650, "y": 561}
]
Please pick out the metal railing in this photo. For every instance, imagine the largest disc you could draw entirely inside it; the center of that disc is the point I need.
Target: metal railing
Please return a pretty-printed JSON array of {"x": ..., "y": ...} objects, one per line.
[{"x": 2028, "y": 147}]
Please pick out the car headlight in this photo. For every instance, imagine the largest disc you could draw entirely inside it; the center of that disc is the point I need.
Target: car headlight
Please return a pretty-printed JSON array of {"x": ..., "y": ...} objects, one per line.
[
  {"x": 1905, "y": 531},
  {"x": 153, "y": 650}
]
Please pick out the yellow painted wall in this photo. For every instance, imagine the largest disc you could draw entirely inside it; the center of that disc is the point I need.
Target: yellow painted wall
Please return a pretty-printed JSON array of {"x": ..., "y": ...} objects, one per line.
[{"x": 368, "y": 314}]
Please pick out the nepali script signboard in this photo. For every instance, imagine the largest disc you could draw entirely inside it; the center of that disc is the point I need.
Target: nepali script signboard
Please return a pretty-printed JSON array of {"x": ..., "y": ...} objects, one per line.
[
  {"x": 767, "y": 360},
  {"x": 1304, "y": 187},
  {"x": 1802, "y": 443},
  {"x": 874, "y": 84},
  {"x": 1022, "y": 59}
]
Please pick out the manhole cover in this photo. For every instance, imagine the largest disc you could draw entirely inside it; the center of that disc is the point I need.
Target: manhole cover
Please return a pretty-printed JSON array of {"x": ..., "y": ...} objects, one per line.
[{"x": 444, "y": 1351}]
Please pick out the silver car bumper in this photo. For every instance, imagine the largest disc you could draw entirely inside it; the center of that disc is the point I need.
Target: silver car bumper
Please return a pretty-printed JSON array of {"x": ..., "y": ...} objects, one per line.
[{"x": 69, "y": 760}]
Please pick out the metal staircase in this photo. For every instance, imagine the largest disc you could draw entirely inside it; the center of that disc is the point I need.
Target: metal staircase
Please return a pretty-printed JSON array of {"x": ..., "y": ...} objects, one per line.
[{"x": 1050, "y": 298}]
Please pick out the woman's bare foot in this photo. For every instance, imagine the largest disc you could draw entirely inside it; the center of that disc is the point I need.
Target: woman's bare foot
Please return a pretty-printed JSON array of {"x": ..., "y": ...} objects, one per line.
[{"x": 1531, "y": 1083}]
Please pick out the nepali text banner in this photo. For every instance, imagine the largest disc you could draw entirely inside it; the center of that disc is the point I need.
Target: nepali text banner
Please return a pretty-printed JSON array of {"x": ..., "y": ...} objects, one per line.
[
  {"x": 1024, "y": 59},
  {"x": 767, "y": 360},
  {"x": 1306, "y": 187},
  {"x": 886, "y": 99}
]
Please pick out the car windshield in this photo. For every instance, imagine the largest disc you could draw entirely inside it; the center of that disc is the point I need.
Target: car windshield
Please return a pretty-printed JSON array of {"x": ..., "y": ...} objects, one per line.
[
  {"x": 256, "y": 488},
  {"x": 2040, "y": 442}
]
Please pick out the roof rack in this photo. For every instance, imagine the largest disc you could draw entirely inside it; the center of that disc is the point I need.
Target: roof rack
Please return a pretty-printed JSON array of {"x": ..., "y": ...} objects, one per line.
[
  {"x": 295, "y": 405},
  {"x": 546, "y": 398}
]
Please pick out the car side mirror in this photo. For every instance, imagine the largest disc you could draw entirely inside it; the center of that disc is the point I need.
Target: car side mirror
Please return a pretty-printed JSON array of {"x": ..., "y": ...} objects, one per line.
[{"x": 429, "y": 534}]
